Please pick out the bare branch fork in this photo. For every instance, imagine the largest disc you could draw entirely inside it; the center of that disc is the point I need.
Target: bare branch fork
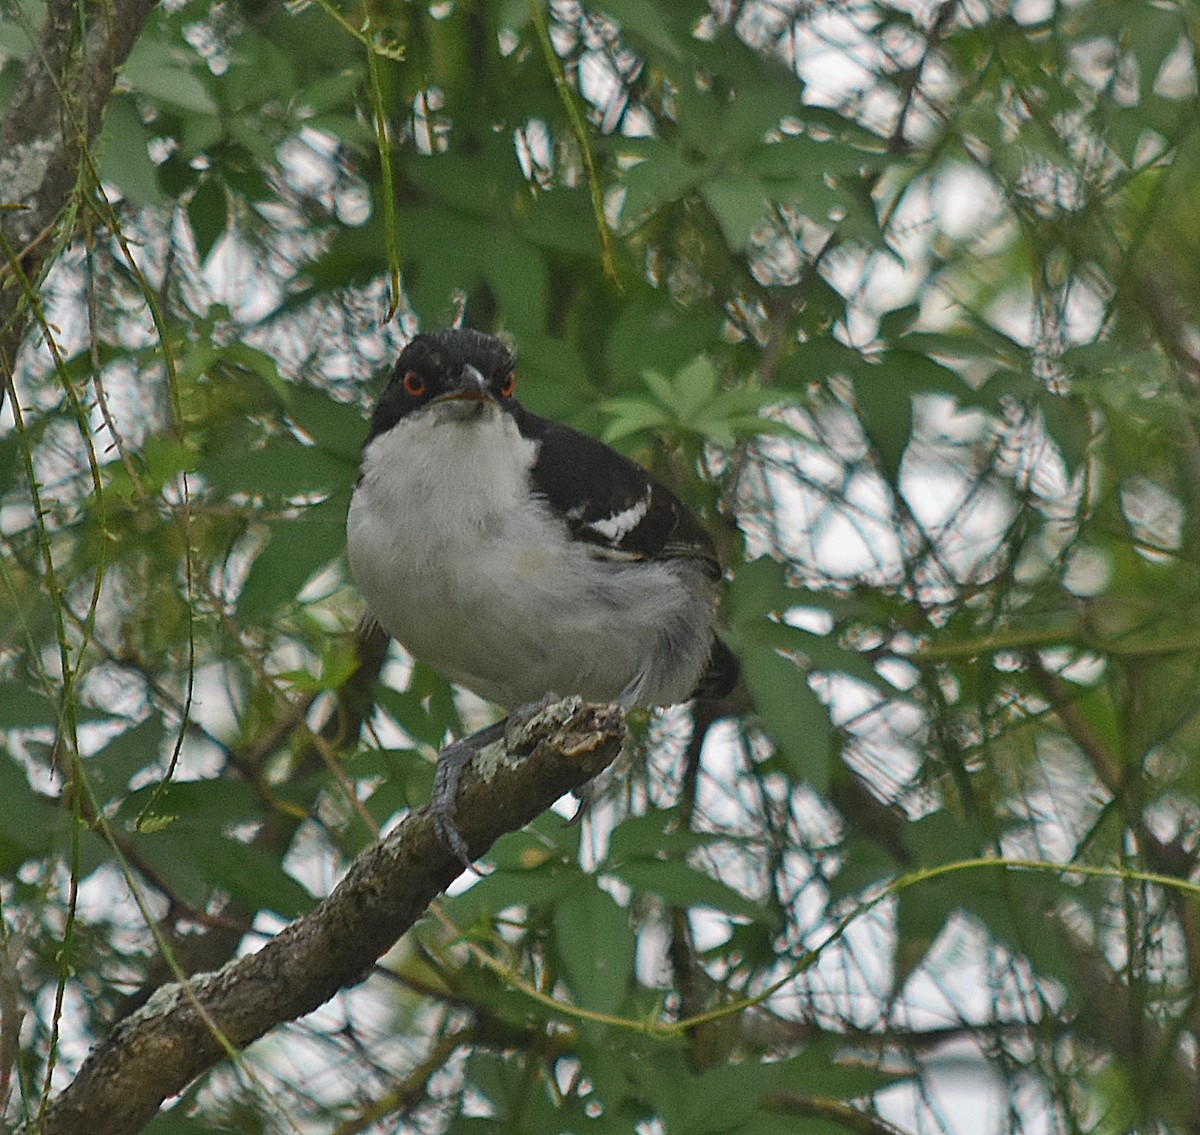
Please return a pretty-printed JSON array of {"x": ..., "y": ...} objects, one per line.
[{"x": 157, "y": 1051}]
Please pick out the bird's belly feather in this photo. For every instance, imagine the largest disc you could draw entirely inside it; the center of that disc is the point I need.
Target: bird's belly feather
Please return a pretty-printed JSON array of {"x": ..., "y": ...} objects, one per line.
[{"x": 500, "y": 600}]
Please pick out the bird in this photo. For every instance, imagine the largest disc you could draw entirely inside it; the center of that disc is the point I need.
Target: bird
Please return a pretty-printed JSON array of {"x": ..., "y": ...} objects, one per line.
[{"x": 520, "y": 558}]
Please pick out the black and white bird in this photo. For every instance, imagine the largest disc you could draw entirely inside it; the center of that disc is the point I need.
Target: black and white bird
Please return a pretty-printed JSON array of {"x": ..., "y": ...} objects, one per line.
[{"x": 521, "y": 558}]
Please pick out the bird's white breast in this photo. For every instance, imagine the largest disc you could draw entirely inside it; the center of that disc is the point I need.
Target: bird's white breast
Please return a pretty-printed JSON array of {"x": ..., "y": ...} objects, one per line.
[{"x": 476, "y": 577}]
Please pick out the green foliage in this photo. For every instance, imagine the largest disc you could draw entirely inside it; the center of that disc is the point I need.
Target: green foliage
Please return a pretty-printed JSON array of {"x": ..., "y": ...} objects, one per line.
[{"x": 914, "y": 333}]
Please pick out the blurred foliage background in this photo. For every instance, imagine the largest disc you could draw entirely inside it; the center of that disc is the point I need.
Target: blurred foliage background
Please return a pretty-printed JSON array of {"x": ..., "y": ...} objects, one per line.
[{"x": 900, "y": 296}]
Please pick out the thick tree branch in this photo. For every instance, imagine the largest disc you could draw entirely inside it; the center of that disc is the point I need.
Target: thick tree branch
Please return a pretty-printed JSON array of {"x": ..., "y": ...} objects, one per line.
[
  {"x": 157, "y": 1051},
  {"x": 54, "y": 114}
]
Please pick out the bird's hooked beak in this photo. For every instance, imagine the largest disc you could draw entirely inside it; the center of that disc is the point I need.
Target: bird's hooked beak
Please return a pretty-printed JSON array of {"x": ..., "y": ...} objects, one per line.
[{"x": 467, "y": 396}]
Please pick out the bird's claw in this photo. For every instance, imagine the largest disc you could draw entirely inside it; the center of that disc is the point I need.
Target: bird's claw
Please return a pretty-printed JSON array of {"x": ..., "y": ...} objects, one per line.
[
  {"x": 448, "y": 832},
  {"x": 453, "y": 760},
  {"x": 443, "y": 805}
]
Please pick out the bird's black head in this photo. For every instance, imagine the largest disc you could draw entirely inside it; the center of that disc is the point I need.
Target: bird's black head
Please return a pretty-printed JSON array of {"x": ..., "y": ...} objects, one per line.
[{"x": 458, "y": 369}]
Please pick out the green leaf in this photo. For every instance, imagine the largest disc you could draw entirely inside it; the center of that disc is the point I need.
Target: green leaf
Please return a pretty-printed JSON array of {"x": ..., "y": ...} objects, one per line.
[
  {"x": 825, "y": 653},
  {"x": 123, "y": 155},
  {"x": 596, "y": 943},
  {"x": 549, "y": 841},
  {"x": 425, "y": 710},
  {"x": 723, "y": 1099},
  {"x": 794, "y": 717},
  {"x": 680, "y": 884},
  {"x": 743, "y": 400},
  {"x": 661, "y": 387},
  {"x": 194, "y": 853},
  {"x": 281, "y": 470},
  {"x": 691, "y": 401},
  {"x": 245, "y": 364},
  {"x": 503, "y": 889},
  {"x": 163, "y": 74},
  {"x": 519, "y": 275},
  {"x": 1017, "y": 909},
  {"x": 760, "y": 588},
  {"x": 21, "y": 706},
  {"x": 662, "y": 177},
  {"x": 646, "y": 24},
  {"x": 695, "y": 386},
  {"x": 821, "y": 358},
  {"x": 652, "y": 835},
  {"x": 208, "y": 215},
  {"x": 221, "y": 803},
  {"x": 10, "y": 462},
  {"x": 802, "y": 163},
  {"x": 252, "y": 875},
  {"x": 200, "y": 133},
  {"x": 183, "y": 1118},
  {"x": 14, "y": 40},
  {"x": 884, "y": 402},
  {"x": 921, "y": 914},
  {"x": 131, "y": 751},
  {"x": 329, "y": 91},
  {"x": 739, "y": 203},
  {"x": 28, "y": 824},
  {"x": 818, "y": 1071},
  {"x": 403, "y": 783},
  {"x": 650, "y": 334},
  {"x": 631, "y": 416},
  {"x": 1068, "y": 423},
  {"x": 337, "y": 427},
  {"x": 865, "y": 864},
  {"x": 917, "y": 371},
  {"x": 1155, "y": 35},
  {"x": 295, "y": 552}
]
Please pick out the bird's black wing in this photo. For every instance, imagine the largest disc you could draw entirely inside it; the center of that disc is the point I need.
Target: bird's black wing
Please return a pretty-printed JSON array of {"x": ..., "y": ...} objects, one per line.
[{"x": 611, "y": 502}]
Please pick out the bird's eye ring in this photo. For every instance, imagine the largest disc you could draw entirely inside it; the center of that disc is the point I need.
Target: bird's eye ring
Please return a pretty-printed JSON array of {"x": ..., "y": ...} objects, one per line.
[
  {"x": 509, "y": 384},
  {"x": 414, "y": 384}
]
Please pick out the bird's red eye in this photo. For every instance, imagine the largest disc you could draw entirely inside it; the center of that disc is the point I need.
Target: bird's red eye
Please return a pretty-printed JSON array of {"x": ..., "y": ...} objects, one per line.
[
  {"x": 509, "y": 384},
  {"x": 414, "y": 384}
]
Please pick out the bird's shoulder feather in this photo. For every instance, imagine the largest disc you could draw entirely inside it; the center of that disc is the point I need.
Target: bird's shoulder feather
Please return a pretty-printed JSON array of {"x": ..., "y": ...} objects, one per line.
[{"x": 611, "y": 502}]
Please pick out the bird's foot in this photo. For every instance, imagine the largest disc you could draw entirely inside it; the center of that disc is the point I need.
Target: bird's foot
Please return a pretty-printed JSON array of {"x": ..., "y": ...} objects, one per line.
[
  {"x": 453, "y": 760},
  {"x": 443, "y": 804}
]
